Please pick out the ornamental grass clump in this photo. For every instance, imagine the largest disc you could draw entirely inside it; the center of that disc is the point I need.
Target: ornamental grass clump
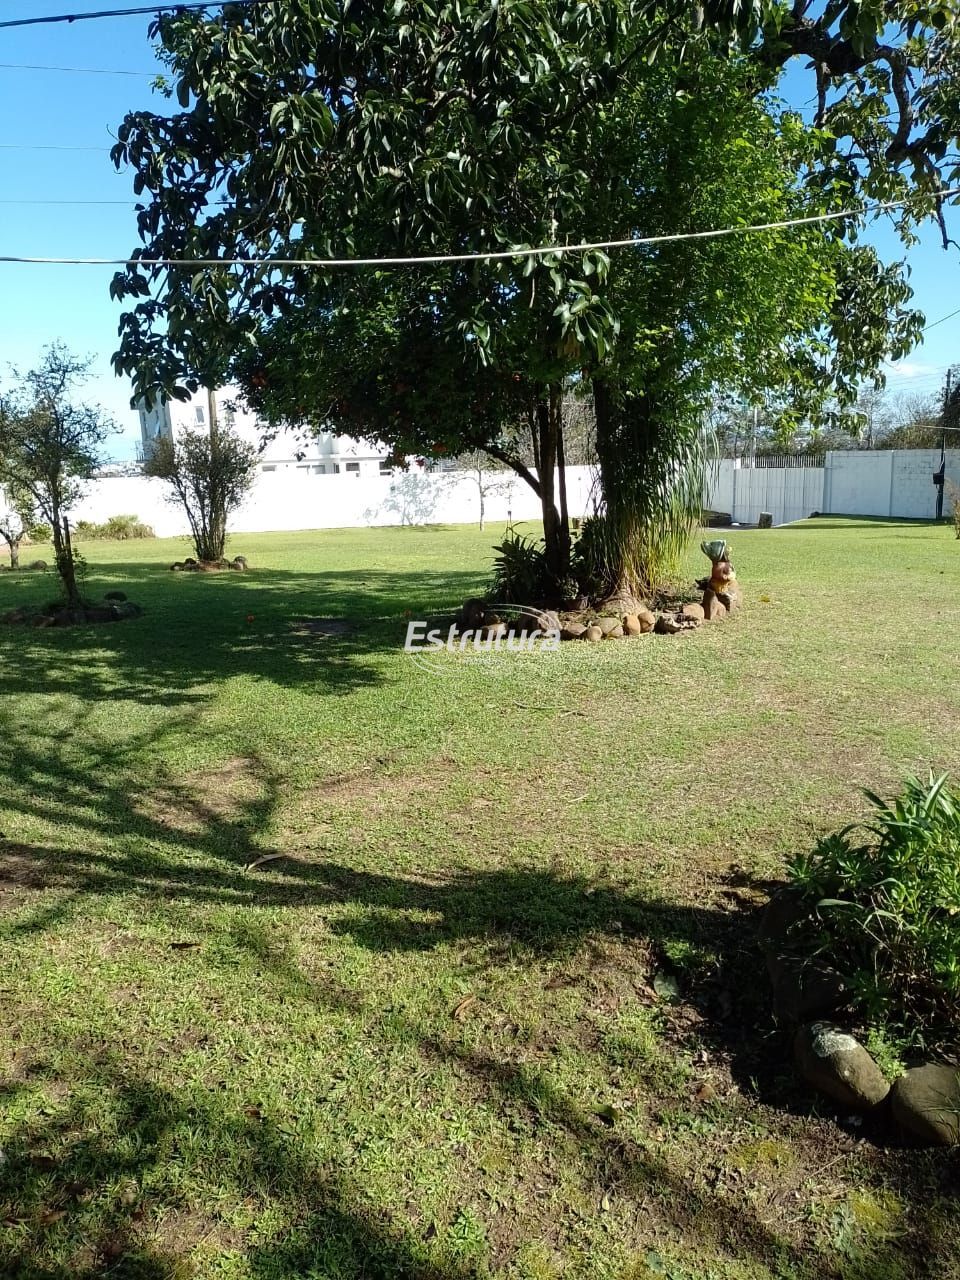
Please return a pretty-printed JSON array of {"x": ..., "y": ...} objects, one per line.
[{"x": 885, "y": 900}]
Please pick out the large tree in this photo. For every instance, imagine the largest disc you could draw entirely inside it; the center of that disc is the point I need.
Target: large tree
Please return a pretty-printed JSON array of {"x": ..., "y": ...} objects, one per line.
[
  {"x": 49, "y": 444},
  {"x": 312, "y": 129}
]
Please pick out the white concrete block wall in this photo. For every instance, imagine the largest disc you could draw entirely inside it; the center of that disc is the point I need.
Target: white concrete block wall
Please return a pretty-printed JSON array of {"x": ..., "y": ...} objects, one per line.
[{"x": 897, "y": 483}]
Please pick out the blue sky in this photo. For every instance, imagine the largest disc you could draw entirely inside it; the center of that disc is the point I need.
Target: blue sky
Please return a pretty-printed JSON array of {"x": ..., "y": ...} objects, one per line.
[{"x": 54, "y": 146}]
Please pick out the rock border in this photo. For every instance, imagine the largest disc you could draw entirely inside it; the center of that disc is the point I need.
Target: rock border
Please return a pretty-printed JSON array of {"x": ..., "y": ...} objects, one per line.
[
  {"x": 116, "y": 609},
  {"x": 594, "y": 625},
  {"x": 238, "y": 563}
]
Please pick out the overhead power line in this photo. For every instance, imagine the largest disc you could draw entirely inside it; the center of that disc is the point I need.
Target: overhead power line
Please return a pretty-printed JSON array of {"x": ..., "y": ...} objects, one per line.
[
  {"x": 189, "y": 5},
  {"x": 499, "y": 255},
  {"x": 40, "y": 146},
  {"x": 941, "y": 320},
  {"x": 86, "y": 71}
]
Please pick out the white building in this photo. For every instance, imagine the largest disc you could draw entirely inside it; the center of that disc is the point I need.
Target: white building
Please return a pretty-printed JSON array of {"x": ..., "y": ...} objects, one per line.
[{"x": 326, "y": 454}]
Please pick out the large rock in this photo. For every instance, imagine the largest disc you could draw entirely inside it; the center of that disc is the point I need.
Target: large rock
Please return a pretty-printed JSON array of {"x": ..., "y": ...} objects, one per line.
[
  {"x": 471, "y": 615},
  {"x": 572, "y": 631},
  {"x": 838, "y": 1065},
  {"x": 631, "y": 625},
  {"x": 647, "y": 619},
  {"x": 713, "y": 609},
  {"x": 803, "y": 988},
  {"x": 615, "y": 633},
  {"x": 593, "y": 634},
  {"x": 926, "y": 1103},
  {"x": 667, "y": 625},
  {"x": 543, "y": 620},
  {"x": 694, "y": 611},
  {"x": 607, "y": 625},
  {"x": 780, "y": 917}
]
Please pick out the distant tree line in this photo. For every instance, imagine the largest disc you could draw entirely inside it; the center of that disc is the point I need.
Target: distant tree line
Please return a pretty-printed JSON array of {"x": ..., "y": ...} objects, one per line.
[{"x": 882, "y": 419}]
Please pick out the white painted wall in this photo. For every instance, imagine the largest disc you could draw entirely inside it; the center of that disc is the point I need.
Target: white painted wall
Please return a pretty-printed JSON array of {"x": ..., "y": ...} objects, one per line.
[
  {"x": 888, "y": 483},
  {"x": 292, "y": 499},
  {"x": 788, "y": 493},
  {"x": 896, "y": 483}
]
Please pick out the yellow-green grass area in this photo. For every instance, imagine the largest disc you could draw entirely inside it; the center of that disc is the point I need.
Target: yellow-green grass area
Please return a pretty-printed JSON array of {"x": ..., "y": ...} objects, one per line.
[{"x": 322, "y": 963}]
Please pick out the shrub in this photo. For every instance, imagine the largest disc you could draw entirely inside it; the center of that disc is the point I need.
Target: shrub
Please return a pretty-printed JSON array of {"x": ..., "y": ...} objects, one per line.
[
  {"x": 887, "y": 906},
  {"x": 589, "y": 559},
  {"x": 520, "y": 573},
  {"x": 209, "y": 476},
  {"x": 39, "y": 532},
  {"x": 121, "y": 528},
  {"x": 953, "y": 493}
]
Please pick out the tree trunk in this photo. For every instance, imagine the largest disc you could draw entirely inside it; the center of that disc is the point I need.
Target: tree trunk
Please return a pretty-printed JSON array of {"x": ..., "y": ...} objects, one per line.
[
  {"x": 14, "y": 545},
  {"x": 480, "y": 490},
  {"x": 625, "y": 574},
  {"x": 66, "y": 567},
  {"x": 556, "y": 527}
]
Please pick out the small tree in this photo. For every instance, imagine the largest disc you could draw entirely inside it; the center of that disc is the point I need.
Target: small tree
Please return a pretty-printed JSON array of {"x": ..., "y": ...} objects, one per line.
[
  {"x": 210, "y": 475},
  {"x": 489, "y": 475},
  {"x": 20, "y": 521},
  {"x": 49, "y": 445}
]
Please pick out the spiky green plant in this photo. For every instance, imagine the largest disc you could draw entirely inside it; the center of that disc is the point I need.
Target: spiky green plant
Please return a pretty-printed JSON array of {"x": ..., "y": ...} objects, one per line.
[{"x": 653, "y": 457}]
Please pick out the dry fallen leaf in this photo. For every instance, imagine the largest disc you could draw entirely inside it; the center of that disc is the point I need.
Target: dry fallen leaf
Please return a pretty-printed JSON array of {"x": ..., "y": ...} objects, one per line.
[
  {"x": 461, "y": 1010},
  {"x": 267, "y": 857}
]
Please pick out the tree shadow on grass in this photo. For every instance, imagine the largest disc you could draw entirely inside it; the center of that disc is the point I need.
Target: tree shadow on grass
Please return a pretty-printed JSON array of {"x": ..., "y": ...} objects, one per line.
[
  {"x": 102, "y": 1187},
  {"x": 199, "y": 629},
  {"x": 497, "y": 914}
]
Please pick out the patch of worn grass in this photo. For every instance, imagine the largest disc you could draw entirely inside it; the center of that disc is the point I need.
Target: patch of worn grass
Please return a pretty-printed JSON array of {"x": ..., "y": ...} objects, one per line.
[{"x": 320, "y": 963}]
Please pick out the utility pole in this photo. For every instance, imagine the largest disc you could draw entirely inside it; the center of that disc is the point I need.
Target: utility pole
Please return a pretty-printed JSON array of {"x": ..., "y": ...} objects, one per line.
[{"x": 212, "y": 414}]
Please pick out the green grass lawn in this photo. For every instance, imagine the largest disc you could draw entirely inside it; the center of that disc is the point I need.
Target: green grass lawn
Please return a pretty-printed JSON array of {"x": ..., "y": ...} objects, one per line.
[{"x": 427, "y": 1039}]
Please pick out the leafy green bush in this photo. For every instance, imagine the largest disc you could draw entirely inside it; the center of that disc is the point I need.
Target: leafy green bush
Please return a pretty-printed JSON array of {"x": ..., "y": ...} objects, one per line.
[
  {"x": 39, "y": 532},
  {"x": 520, "y": 573},
  {"x": 120, "y": 528},
  {"x": 887, "y": 906}
]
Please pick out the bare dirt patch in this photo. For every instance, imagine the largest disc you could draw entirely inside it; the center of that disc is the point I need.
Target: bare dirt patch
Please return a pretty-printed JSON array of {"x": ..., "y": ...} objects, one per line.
[{"x": 215, "y": 797}]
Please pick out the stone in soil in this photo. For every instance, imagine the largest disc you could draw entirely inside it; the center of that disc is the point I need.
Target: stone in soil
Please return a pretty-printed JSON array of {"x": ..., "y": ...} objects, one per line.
[
  {"x": 631, "y": 625},
  {"x": 926, "y": 1103},
  {"x": 572, "y": 631},
  {"x": 694, "y": 611},
  {"x": 607, "y": 625},
  {"x": 647, "y": 619},
  {"x": 667, "y": 625},
  {"x": 839, "y": 1066},
  {"x": 713, "y": 609},
  {"x": 593, "y": 634}
]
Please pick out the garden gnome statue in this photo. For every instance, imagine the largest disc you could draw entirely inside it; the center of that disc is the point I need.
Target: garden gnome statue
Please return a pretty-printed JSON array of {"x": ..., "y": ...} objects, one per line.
[{"x": 722, "y": 584}]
